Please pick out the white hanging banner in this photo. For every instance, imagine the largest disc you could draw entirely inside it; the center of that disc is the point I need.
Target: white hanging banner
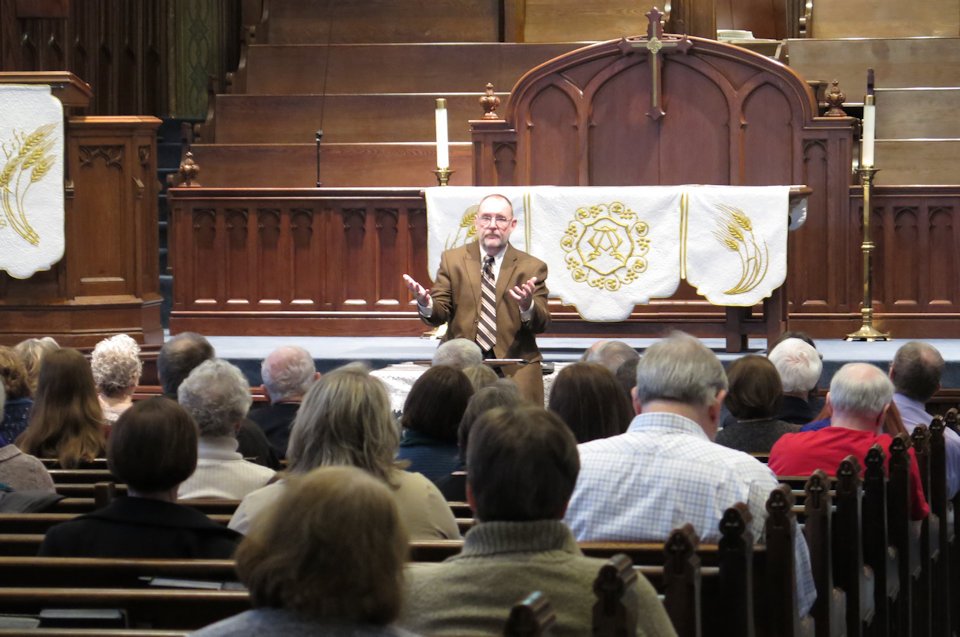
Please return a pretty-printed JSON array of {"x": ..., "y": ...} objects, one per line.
[{"x": 31, "y": 180}]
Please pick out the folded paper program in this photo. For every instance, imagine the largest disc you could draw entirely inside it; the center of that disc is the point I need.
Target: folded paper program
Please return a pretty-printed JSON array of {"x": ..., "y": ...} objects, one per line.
[{"x": 610, "y": 248}]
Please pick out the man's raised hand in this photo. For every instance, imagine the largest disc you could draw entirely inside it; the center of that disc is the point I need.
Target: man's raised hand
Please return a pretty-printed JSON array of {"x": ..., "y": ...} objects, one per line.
[
  {"x": 421, "y": 293},
  {"x": 523, "y": 293}
]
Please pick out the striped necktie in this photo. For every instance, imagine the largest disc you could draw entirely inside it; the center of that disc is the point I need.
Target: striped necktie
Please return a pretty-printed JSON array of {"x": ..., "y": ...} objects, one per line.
[{"x": 487, "y": 327}]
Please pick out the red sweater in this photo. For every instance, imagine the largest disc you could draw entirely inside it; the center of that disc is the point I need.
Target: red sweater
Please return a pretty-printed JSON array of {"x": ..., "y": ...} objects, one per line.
[{"x": 802, "y": 453}]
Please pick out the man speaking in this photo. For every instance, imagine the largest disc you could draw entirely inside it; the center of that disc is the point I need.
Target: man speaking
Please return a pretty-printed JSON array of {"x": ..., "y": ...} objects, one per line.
[{"x": 492, "y": 293}]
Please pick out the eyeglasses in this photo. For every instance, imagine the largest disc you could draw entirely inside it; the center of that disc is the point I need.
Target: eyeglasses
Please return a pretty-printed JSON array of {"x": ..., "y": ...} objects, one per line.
[{"x": 486, "y": 220}]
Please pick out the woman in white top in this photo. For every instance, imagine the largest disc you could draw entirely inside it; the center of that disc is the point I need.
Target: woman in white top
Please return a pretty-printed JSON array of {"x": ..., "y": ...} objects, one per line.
[{"x": 345, "y": 420}]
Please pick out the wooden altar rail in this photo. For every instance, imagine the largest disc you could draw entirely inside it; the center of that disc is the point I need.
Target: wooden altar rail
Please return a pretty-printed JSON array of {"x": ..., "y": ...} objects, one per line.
[{"x": 328, "y": 262}]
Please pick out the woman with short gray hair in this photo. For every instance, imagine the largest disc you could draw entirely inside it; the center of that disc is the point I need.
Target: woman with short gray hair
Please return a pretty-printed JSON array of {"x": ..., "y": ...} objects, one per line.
[
  {"x": 217, "y": 396},
  {"x": 116, "y": 369},
  {"x": 345, "y": 420}
]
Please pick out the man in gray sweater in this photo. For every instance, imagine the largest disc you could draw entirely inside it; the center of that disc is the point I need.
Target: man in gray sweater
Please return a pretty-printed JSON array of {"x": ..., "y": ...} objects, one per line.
[{"x": 522, "y": 465}]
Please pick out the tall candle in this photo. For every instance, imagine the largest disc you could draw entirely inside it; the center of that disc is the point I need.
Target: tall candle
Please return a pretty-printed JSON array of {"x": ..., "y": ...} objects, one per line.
[
  {"x": 869, "y": 132},
  {"x": 869, "y": 124},
  {"x": 443, "y": 149}
]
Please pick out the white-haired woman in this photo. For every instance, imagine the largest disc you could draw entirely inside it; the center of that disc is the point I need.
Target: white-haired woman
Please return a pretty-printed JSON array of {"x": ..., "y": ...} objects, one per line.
[
  {"x": 116, "y": 369},
  {"x": 345, "y": 420}
]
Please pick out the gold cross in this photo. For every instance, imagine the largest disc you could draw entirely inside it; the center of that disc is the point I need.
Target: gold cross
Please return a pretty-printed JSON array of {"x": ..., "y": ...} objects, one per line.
[{"x": 655, "y": 44}]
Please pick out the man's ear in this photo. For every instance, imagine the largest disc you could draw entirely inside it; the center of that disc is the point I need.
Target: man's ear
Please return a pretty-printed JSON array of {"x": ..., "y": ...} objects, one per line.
[
  {"x": 471, "y": 500},
  {"x": 716, "y": 407},
  {"x": 637, "y": 409}
]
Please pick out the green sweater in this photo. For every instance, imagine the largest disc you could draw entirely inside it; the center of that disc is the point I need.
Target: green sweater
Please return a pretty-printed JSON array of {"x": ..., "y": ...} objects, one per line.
[{"x": 503, "y": 562}]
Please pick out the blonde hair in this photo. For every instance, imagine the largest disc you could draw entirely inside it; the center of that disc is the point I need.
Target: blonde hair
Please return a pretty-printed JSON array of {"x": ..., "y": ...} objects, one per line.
[
  {"x": 116, "y": 365},
  {"x": 345, "y": 419},
  {"x": 31, "y": 353},
  {"x": 331, "y": 547}
]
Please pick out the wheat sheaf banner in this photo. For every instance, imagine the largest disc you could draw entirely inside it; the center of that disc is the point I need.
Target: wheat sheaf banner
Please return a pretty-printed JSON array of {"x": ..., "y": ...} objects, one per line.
[
  {"x": 610, "y": 248},
  {"x": 31, "y": 180}
]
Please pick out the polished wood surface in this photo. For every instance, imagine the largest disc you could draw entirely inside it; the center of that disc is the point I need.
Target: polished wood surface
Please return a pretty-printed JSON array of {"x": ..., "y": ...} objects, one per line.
[
  {"x": 108, "y": 280},
  {"x": 884, "y": 19}
]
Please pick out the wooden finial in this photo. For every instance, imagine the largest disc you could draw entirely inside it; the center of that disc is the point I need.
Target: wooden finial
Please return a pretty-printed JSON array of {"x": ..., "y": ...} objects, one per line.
[
  {"x": 835, "y": 99},
  {"x": 490, "y": 102},
  {"x": 189, "y": 170}
]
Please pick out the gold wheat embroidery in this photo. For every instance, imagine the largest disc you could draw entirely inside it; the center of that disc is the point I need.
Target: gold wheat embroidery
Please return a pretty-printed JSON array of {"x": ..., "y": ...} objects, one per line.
[
  {"x": 466, "y": 230},
  {"x": 29, "y": 158},
  {"x": 736, "y": 233}
]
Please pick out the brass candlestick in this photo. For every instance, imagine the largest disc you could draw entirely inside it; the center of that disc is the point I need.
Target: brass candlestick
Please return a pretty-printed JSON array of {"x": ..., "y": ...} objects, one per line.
[
  {"x": 443, "y": 176},
  {"x": 867, "y": 332}
]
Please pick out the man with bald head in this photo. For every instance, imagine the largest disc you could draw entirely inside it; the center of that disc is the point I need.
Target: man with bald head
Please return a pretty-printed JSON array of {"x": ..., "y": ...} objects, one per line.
[
  {"x": 489, "y": 292},
  {"x": 287, "y": 373},
  {"x": 859, "y": 397}
]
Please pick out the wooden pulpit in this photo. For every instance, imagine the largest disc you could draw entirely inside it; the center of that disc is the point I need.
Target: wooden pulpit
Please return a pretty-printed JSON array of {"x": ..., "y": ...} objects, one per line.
[{"x": 108, "y": 280}]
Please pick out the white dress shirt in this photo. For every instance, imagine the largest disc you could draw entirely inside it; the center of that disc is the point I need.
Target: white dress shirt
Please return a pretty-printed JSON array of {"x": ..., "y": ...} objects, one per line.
[
  {"x": 664, "y": 472},
  {"x": 913, "y": 413}
]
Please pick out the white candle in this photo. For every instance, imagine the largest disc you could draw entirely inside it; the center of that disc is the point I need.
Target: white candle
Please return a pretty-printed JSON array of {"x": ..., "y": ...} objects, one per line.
[
  {"x": 443, "y": 149},
  {"x": 869, "y": 132}
]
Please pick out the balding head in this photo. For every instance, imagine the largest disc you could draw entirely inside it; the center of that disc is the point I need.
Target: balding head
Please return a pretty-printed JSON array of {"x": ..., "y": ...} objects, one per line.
[
  {"x": 859, "y": 395},
  {"x": 287, "y": 373},
  {"x": 179, "y": 356},
  {"x": 916, "y": 370},
  {"x": 798, "y": 364},
  {"x": 610, "y": 354}
]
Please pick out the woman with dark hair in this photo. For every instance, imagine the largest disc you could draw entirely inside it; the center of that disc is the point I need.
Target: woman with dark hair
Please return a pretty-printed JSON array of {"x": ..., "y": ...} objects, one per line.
[
  {"x": 153, "y": 448},
  {"x": 66, "y": 422},
  {"x": 327, "y": 559},
  {"x": 588, "y": 397},
  {"x": 13, "y": 377},
  {"x": 754, "y": 397},
  {"x": 345, "y": 420},
  {"x": 431, "y": 416}
]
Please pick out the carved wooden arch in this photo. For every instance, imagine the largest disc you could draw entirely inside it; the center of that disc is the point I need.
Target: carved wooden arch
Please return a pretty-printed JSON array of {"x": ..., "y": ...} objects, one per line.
[{"x": 567, "y": 141}]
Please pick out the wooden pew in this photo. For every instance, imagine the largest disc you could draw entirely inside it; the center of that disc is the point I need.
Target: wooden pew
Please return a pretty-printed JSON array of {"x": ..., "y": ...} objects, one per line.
[
  {"x": 95, "y": 572},
  {"x": 209, "y": 506},
  {"x": 20, "y": 544},
  {"x": 81, "y": 476},
  {"x": 899, "y": 526},
  {"x": 829, "y": 610},
  {"x": 40, "y": 522},
  {"x": 532, "y": 616},
  {"x": 929, "y": 540},
  {"x": 878, "y": 552},
  {"x": 852, "y": 575},
  {"x": 155, "y": 608}
]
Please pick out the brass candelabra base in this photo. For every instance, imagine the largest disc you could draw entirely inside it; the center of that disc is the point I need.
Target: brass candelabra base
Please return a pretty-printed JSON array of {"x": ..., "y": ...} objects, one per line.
[{"x": 443, "y": 176}]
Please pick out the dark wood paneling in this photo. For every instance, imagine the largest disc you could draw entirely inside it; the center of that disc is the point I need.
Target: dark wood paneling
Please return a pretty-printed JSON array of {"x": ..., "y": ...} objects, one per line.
[
  {"x": 342, "y": 165},
  {"x": 332, "y": 266},
  {"x": 310, "y": 21}
]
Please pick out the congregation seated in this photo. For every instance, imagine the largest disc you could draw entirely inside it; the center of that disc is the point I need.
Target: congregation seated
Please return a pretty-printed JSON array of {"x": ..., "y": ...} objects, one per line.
[
  {"x": 503, "y": 393},
  {"x": 217, "y": 397},
  {"x": 177, "y": 358},
  {"x": 287, "y": 374},
  {"x": 153, "y": 448},
  {"x": 116, "y": 369},
  {"x": 916, "y": 371},
  {"x": 66, "y": 421},
  {"x": 19, "y": 471},
  {"x": 754, "y": 398},
  {"x": 459, "y": 353},
  {"x": 799, "y": 366},
  {"x": 588, "y": 398},
  {"x": 16, "y": 413},
  {"x": 618, "y": 357},
  {"x": 522, "y": 466},
  {"x": 345, "y": 419},
  {"x": 31, "y": 352},
  {"x": 859, "y": 398},
  {"x": 666, "y": 471},
  {"x": 431, "y": 416},
  {"x": 480, "y": 376},
  {"x": 326, "y": 560}
]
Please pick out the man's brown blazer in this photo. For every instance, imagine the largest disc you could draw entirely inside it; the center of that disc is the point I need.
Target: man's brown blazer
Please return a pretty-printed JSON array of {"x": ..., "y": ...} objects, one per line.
[{"x": 456, "y": 299}]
